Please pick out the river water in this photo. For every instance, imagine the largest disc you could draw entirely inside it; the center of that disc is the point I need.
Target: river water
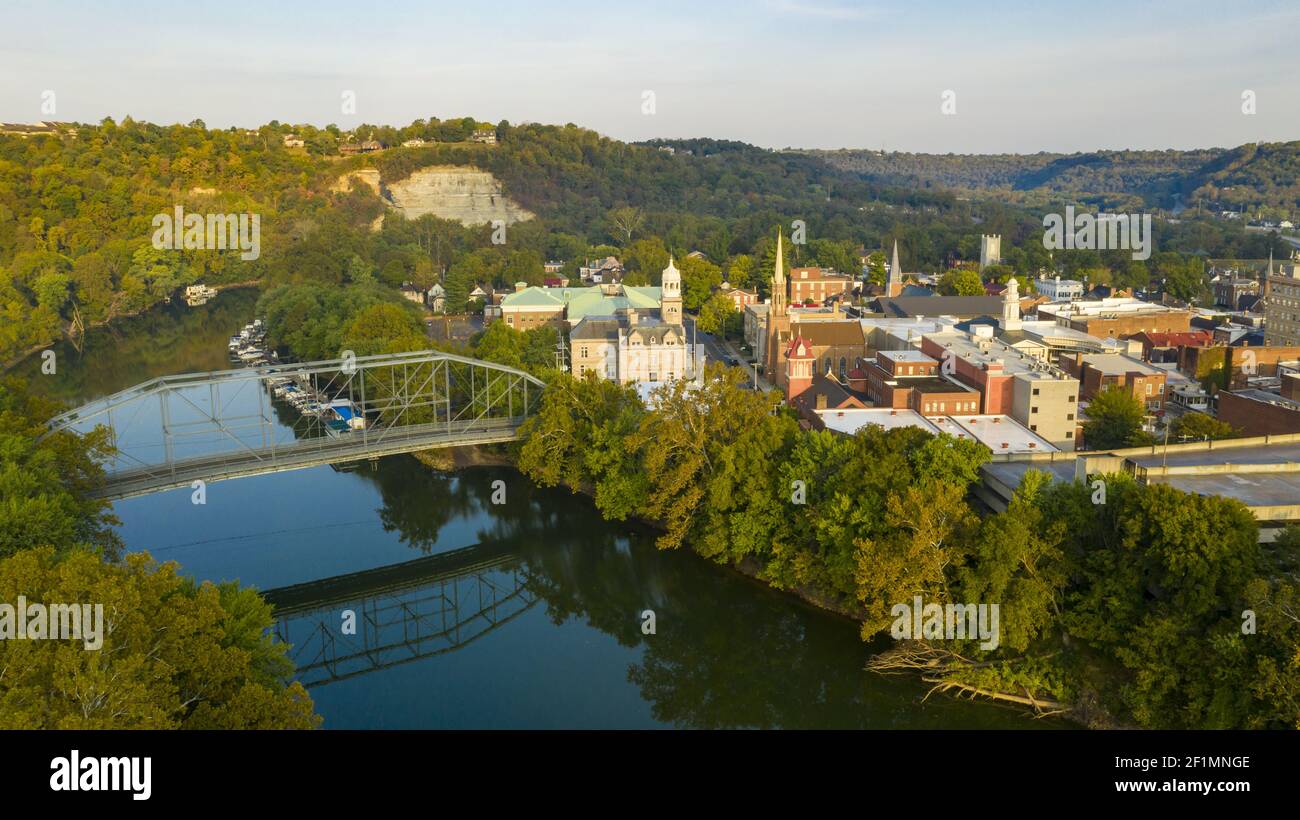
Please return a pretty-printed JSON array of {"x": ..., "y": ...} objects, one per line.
[{"x": 474, "y": 614}]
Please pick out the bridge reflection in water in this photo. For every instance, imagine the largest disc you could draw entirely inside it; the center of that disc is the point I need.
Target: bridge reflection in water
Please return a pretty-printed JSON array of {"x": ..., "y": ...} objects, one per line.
[{"x": 405, "y": 612}]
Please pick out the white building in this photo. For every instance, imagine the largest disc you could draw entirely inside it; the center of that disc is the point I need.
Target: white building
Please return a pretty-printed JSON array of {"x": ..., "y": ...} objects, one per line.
[{"x": 1058, "y": 289}]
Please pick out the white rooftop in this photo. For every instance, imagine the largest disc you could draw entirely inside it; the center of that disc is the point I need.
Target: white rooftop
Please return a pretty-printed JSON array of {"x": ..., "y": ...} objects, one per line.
[
  {"x": 999, "y": 433},
  {"x": 851, "y": 419}
]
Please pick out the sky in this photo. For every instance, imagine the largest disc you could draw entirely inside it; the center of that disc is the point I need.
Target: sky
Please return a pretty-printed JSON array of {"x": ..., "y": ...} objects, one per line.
[{"x": 1023, "y": 76}]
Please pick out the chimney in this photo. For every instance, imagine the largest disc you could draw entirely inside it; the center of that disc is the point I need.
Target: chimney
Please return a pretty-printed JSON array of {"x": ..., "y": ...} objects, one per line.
[
  {"x": 631, "y": 317},
  {"x": 520, "y": 286},
  {"x": 821, "y": 401}
]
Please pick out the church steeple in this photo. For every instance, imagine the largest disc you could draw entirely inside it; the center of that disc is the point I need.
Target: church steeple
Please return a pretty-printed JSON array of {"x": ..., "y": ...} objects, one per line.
[
  {"x": 778, "y": 279},
  {"x": 894, "y": 280}
]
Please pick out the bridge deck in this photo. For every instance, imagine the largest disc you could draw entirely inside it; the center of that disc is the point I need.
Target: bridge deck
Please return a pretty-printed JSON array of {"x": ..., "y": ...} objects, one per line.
[{"x": 310, "y": 452}]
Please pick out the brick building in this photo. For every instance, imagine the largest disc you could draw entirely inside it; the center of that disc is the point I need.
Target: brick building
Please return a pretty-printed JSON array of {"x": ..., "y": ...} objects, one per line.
[
  {"x": 1099, "y": 371},
  {"x": 816, "y": 285}
]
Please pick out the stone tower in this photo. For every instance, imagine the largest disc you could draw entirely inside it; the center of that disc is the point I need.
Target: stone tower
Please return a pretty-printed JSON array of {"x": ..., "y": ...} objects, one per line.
[
  {"x": 990, "y": 250},
  {"x": 670, "y": 295}
]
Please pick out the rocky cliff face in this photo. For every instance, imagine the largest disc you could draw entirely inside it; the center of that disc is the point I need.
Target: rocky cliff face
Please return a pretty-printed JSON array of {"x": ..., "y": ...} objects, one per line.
[{"x": 468, "y": 195}]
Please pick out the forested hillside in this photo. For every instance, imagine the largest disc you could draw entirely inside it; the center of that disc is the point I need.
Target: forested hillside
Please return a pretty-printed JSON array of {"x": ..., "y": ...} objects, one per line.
[{"x": 1260, "y": 178}]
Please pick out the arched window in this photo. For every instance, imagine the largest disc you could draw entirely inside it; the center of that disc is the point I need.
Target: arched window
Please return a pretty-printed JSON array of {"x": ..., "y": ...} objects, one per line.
[
  {"x": 844, "y": 367},
  {"x": 828, "y": 364}
]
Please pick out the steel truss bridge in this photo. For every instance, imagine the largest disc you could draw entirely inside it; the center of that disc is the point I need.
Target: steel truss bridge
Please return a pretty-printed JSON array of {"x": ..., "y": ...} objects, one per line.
[
  {"x": 401, "y": 613},
  {"x": 175, "y": 430}
]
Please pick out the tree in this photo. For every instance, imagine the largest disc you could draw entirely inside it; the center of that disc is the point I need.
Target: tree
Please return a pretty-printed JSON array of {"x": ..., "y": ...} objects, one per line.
[
  {"x": 47, "y": 483},
  {"x": 961, "y": 283},
  {"x": 626, "y": 221},
  {"x": 700, "y": 278},
  {"x": 172, "y": 654},
  {"x": 1201, "y": 426},
  {"x": 1018, "y": 562},
  {"x": 1115, "y": 419},
  {"x": 718, "y": 314}
]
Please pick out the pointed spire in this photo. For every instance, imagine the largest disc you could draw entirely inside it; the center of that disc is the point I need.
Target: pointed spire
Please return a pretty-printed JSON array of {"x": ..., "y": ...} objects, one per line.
[
  {"x": 778, "y": 274},
  {"x": 1270, "y": 261},
  {"x": 895, "y": 273}
]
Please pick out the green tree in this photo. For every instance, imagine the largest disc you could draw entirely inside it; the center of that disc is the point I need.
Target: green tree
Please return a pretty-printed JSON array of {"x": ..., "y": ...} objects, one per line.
[
  {"x": 718, "y": 314},
  {"x": 1201, "y": 426},
  {"x": 1115, "y": 420},
  {"x": 173, "y": 655},
  {"x": 700, "y": 278},
  {"x": 961, "y": 283}
]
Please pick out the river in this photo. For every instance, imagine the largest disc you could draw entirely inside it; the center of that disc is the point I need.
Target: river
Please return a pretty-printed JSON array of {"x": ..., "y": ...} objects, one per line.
[{"x": 473, "y": 614}]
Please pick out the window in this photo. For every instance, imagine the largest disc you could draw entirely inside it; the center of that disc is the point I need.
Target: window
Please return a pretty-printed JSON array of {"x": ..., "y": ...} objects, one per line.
[
  {"x": 1069, "y": 417},
  {"x": 584, "y": 352},
  {"x": 1149, "y": 386},
  {"x": 1033, "y": 409},
  {"x": 1035, "y": 391},
  {"x": 1071, "y": 399},
  {"x": 1033, "y": 427},
  {"x": 1069, "y": 434}
]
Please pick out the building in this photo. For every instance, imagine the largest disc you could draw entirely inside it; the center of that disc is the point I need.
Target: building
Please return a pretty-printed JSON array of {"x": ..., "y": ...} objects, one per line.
[
  {"x": 910, "y": 379},
  {"x": 1259, "y": 412},
  {"x": 601, "y": 271},
  {"x": 961, "y": 307},
  {"x": 563, "y": 308},
  {"x": 1282, "y": 303},
  {"x": 36, "y": 129},
  {"x": 1166, "y": 347},
  {"x": 348, "y": 149},
  {"x": 1230, "y": 292},
  {"x": 1116, "y": 317},
  {"x": 739, "y": 297},
  {"x": 631, "y": 347},
  {"x": 415, "y": 142},
  {"x": 485, "y": 134},
  {"x": 1041, "y": 397},
  {"x": 1001, "y": 434},
  {"x": 413, "y": 293},
  {"x": 437, "y": 298},
  {"x": 1099, "y": 371},
  {"x": 990, "y": 250},
  {"x": 294, "y": 141},
  {"x": 814, "y": 286},
  {"x": 1058, "y": 289}
]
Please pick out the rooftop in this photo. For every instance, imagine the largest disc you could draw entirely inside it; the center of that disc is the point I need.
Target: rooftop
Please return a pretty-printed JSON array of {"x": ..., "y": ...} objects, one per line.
[
  {"x": 1114, "y": 364},
  {"x": 999, "y": 433}
]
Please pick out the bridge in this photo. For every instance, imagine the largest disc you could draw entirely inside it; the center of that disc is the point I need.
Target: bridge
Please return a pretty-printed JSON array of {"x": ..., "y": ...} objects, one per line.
[
  {"x": 175, "y": 430},
  {"x": 403, "y": 613}
]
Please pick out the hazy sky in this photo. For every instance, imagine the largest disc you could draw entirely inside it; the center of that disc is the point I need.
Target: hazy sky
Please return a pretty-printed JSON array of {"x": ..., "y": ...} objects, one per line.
[{"x": 1028, "y": 76}]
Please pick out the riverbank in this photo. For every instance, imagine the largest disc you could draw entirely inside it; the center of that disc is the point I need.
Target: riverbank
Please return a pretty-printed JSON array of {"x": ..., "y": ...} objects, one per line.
[
  {"x": 931, "y": 672},
  {"x": 67, "y": 336}
]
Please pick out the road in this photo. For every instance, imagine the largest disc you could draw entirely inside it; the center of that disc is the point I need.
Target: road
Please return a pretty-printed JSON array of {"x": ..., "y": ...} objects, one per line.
[{"x": 718, "y": 350}]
